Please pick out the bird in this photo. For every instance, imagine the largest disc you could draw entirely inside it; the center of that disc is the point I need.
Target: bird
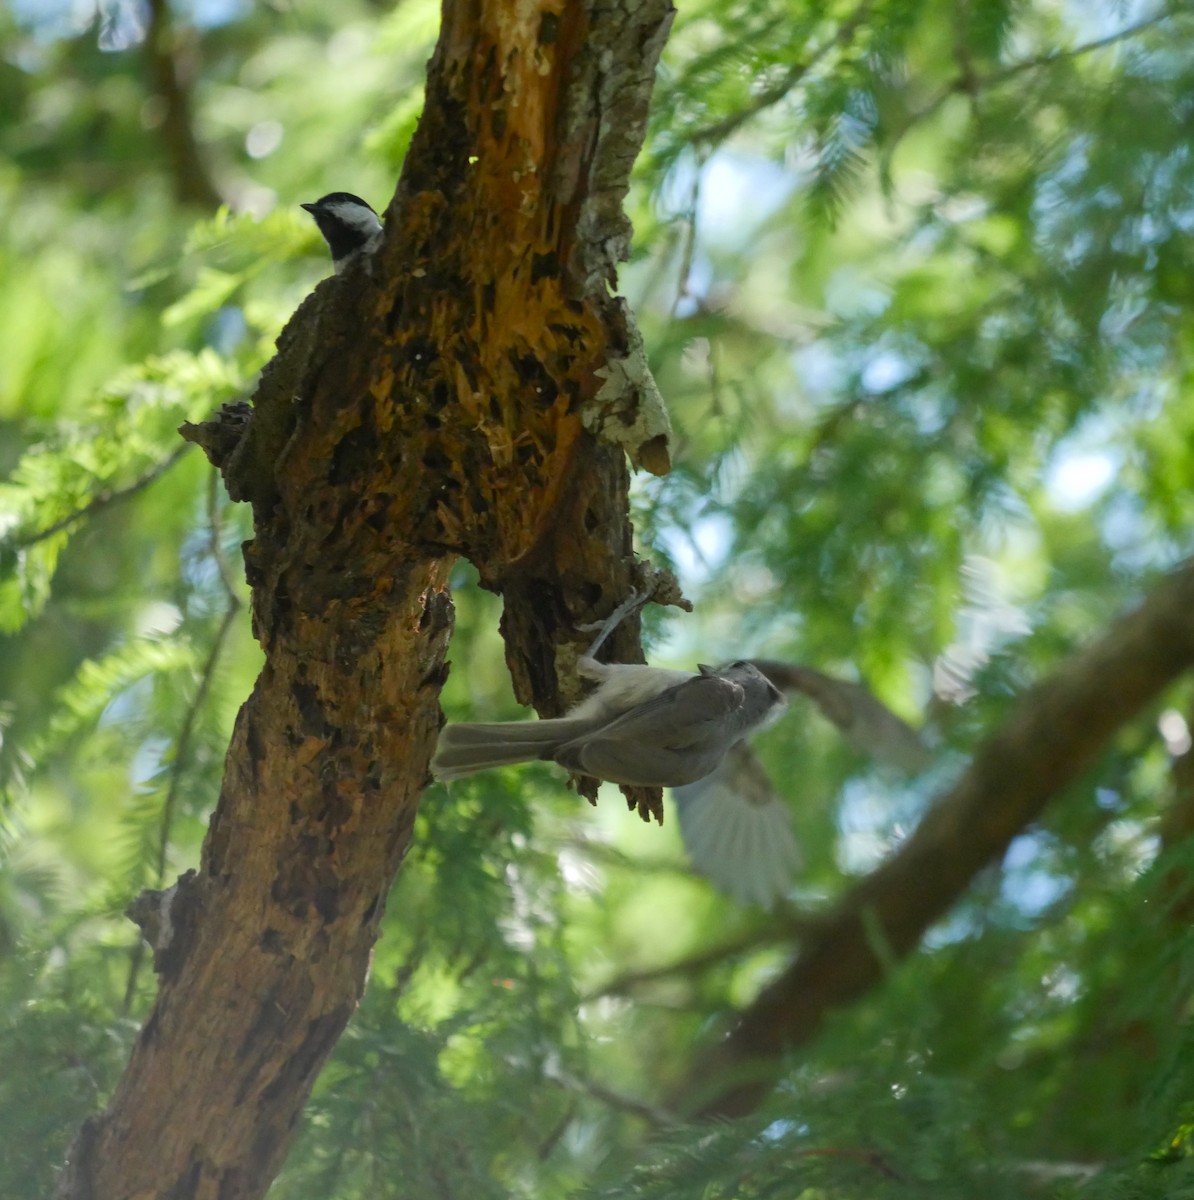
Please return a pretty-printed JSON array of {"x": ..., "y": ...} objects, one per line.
[
  {"x": 643, "y": 726},
  {"x": 663, "y": 728},
  {"x": 349, "y": 225},
  {"x": 690, "y": 732}
]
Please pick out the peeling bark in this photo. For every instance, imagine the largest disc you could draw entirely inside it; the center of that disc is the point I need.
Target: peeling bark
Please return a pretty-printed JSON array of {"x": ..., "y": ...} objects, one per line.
[{"x": 449, "y": 398}]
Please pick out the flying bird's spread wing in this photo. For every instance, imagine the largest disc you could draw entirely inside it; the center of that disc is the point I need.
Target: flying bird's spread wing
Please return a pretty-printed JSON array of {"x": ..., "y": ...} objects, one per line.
[{"x": 738, "y": 831}]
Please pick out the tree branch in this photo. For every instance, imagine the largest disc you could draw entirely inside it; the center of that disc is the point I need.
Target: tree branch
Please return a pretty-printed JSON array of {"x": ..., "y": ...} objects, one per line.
[
  {"x": 971, "y": 84},
  {"x": 1053, "y": 56},
  {"x": 188, "y": 170},
  {"x": 786, "y": 928},
  {"x": 656, "y": 1117},
  {"x": 1051, "y": 737},
  {"x": 99, "y": 502},
  {"x": 182, "y": 745}
]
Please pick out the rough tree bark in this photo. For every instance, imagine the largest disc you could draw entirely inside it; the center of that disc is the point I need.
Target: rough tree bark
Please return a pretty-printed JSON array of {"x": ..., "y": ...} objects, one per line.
[
  {"x": 1053, "y": 734},
  {"x": 475, "y": 392}
]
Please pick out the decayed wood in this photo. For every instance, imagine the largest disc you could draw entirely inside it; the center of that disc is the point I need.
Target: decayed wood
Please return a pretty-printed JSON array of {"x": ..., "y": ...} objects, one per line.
[
  {"x": 1051, "y": 736},
  {"x": 459, "y": 397}
]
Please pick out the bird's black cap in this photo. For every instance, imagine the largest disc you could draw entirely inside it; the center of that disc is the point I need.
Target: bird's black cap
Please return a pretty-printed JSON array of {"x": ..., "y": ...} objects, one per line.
[
  {"x": 336, "y": 198},
  {"x": 347, "y": 222}
]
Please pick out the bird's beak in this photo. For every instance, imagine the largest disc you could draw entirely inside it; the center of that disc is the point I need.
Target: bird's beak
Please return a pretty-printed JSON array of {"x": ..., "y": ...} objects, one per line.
[{"x": 309, "y": 207}]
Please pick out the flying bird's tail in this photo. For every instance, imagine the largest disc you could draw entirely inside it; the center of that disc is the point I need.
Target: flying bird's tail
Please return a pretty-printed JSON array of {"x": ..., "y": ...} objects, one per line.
[{"x": 465, "y": 749}]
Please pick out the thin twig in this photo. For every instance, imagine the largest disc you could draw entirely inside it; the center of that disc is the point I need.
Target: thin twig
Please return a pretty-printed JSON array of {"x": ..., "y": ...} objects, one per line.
[
  {"x": 690, "y": 235},
  {"x": 658, "y": 1117},
  {"x": 717, "y": 408},
  {"x": 191, "y": 717},
  {"x": 99, "y": 501},
  {"x": 227, "y": 575},
  {"x": 1044, "y": 60},
  {"x": 548, "y": 1145},
  {"x": 213, "y": 655},
  {"x": 781, "y": 932},
  {"x": 718, "y": 131},
  {"x": 972, "y": 84},
  {"x": 868, "y": 1158}
]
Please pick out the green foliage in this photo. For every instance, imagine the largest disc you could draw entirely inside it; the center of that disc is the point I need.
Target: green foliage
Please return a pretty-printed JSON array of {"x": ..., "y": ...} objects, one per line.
[
  {"x": 122, "y": 445},
  {"x": 915, "y": 280}
]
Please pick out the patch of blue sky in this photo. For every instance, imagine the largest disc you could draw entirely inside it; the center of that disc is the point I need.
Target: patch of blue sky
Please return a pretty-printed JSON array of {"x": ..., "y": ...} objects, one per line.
[
  {"x": 1031, "y": 883},
  {"x": 739, "y": 193},
  {"x": 886, "y": 370},
  {"x": 1075, "y": 479},
  {"x": 873, "y": 820},
  {"x": 148, "y": 762},
  {"x": 121, "y": 24},
  {"x": 129, "y": 704},
  {"x": 700, "y": 550}
]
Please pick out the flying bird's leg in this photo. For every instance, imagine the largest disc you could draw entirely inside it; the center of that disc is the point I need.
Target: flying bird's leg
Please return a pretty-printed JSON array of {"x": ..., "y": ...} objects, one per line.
[{"x": 632, "y": 603}]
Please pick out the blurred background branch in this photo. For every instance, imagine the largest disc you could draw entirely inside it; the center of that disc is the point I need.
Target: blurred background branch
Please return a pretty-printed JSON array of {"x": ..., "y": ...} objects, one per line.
[{"x": 171, "y": 56}]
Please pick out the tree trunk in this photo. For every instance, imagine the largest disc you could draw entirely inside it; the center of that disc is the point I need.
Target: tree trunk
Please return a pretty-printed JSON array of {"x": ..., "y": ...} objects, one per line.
[{"x": 458, "y": 396}]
